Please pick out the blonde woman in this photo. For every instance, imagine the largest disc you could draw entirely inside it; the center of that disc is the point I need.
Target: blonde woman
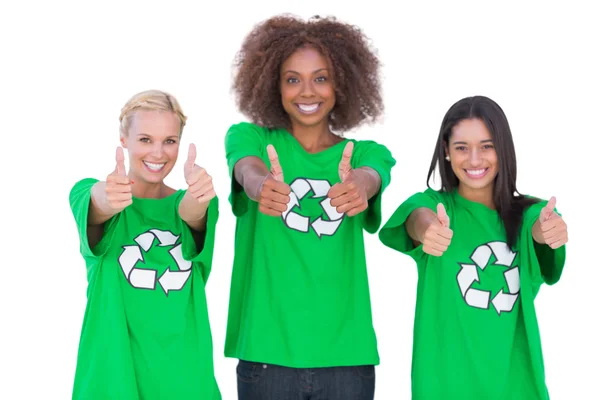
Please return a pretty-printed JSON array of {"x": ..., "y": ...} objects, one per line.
[{"x": 148, "y": 251}]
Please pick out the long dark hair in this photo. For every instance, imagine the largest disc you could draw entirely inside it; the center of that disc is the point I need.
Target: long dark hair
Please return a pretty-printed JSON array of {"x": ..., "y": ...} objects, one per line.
[{"x": 509, "y": 203}]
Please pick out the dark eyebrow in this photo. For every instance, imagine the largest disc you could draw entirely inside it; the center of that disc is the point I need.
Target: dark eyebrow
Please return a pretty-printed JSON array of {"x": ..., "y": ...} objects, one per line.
[
  {"x": 314, "y": 72},
  {"x": 483, "y": 141}
]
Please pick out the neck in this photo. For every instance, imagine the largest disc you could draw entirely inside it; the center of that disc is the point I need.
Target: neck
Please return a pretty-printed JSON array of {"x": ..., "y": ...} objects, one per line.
[
  {"x": 147, "y": 190},
  {"x": 314, "y": 138},
  {"x": 484, "y": 196}
]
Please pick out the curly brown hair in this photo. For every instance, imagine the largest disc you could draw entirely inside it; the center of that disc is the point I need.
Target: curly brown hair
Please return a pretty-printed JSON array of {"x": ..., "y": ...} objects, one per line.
[{"x": 355, "y": 70}]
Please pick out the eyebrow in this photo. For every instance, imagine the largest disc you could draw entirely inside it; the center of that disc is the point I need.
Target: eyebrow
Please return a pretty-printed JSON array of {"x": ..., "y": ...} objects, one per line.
[
  {"x": 483, "y": 141},
  {"x": 146, "y": 134},
  {"x": 314, "y": 72}
]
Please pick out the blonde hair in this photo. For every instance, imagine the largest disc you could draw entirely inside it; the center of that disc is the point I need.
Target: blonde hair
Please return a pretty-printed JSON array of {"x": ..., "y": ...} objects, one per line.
[{"x": 150, "y": 100}]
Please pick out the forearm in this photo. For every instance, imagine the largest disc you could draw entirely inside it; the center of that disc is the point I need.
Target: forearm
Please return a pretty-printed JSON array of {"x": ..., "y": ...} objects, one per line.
[
  {"x": 193, "y": 212},
  {"x": 99, "y": 211},
  {"x": 369, "y": 179},
  {"x": 418, "y": 221},
  {"x": 250, "y": 173}
]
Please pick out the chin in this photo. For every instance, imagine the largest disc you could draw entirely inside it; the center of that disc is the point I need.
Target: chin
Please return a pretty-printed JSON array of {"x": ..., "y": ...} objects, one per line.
[
  {"x": 310, "y": 120},
  {"x": 477, "y": 185}
]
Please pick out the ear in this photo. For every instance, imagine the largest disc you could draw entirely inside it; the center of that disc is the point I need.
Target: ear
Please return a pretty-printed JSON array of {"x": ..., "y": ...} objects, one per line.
[
  {"x": 123, "y": 141},
  {"x": 446, "y": 150}
]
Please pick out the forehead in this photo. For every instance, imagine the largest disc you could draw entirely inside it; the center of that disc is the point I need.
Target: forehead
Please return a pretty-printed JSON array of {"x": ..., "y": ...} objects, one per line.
[
  {"x": 470, "y": 130},
  {"x": 305, "y": 59},
  {"x": 155, "y": 123}
]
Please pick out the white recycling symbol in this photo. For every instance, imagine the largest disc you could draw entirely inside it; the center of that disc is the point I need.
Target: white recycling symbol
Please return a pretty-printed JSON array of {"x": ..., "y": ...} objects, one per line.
[
  {"x": 502, "y": 301},
  {"x": 142, "y": 278},
  {"x": 320, "y": 187}
]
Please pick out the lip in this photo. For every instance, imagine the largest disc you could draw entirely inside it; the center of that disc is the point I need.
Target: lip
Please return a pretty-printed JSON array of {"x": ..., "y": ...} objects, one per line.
[
  {"x": 476, "y": 173},
  {"x": 312, "y": 107},
  {"x": 155, "y": 171}
]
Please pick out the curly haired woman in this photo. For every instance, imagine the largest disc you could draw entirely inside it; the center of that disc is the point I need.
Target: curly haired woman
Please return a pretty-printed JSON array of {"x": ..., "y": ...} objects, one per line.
[{"x": 299, "y": 314}]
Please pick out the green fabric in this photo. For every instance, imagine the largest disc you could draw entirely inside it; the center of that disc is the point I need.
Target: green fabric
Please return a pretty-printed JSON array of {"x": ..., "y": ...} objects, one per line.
[
  {"x": 146, "y": 332},
  {"x": 476, "y": 334}
]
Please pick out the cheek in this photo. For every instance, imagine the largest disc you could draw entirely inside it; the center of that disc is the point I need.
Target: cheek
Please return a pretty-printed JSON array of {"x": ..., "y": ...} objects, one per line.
[
  {"x": 287, "y": 93},
  {"x": 135, "y": 150},
  {"x": 493, "y": 159},
  {"x": 457, "y": 160},
  {"x": 172, "y": 152},
  {"x": 327, "y": 92}
]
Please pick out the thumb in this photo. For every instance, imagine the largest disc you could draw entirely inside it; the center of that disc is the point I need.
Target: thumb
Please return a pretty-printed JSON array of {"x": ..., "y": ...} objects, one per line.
[
  {"x": 344, "y": 168},
  {"x": 443, "y": 216},
  {"x": 548, "y": 210},
  {"x": 120, "y": 158},
  {"x": 191, "y": 160},
  {"x": 276, "y": 170}
]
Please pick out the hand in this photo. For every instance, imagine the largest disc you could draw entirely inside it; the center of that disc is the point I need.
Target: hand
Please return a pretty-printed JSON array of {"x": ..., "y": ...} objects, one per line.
[
  {"x": 118, "y": 186},
  {"x": 200, "y": 185},
  {"x": 274, "y": 193},
  {"x": 349, "y": 196},
  {"x": 551, "y": 229},
  {"x": 438, "y": 235}
]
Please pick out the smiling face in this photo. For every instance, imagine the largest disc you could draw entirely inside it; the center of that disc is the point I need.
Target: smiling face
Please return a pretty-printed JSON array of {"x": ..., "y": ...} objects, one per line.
[
  {"x": 153, "y": 145},
  {"x": 307, "y": 91},
  {"x": 472, "y": 157}
]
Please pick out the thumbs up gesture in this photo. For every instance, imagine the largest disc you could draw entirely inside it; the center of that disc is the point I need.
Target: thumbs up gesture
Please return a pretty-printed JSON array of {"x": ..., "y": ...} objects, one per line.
[
  {"x": 118, "y": 186},
  {"x": 200, "y": 185},
  {"x": 349, "y": 196},
  {"x": 273, "y": 196},
  {"x": 438, "y": 235},
  {"x": 550, "y": 228}
]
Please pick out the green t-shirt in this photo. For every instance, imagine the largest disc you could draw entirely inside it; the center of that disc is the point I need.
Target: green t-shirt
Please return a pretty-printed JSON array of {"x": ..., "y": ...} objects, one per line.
[
  {"x": 299, "y": 291},
  {"x": 476, "y": 334},
  {"x": 146, "y": 332}
]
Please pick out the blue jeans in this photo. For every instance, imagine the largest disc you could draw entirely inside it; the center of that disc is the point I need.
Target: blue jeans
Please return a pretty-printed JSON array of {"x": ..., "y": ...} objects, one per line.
[{"x": 259, "y": 381}]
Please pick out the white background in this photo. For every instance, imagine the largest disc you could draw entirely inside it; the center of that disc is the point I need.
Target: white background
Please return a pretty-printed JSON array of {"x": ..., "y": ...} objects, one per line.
[{"x": 67, "y": 68}]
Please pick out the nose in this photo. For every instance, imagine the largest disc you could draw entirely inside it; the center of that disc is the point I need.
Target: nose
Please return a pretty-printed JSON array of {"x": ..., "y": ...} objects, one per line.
[
  {"x": 157, "y": 150},
  {"x": 307, "y": 89},
  {"x": 475, "y": 157}
]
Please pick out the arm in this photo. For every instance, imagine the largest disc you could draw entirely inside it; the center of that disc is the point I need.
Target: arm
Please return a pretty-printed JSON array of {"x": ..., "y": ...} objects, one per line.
[
  {"x": 368, "y": 180},
  {"x": 108, "y": 199},
  {"x": 262, "y": 185},
  {"x": 250, "y": 173},
  {"x": 417, "y": 223},
  {"x": 193, "y": 213},
  {"x": 431, "y": 229},
  {"x": 195, "y": 202}
]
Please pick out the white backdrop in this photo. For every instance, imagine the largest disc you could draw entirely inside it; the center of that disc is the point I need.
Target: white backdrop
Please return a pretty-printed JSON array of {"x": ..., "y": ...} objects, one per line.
[{"x": 67, "y": 68}]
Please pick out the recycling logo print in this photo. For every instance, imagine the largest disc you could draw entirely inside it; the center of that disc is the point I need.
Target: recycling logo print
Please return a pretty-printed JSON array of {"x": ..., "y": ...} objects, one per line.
[
  {"x": 468, "y": 274},
  {"x": 143, "y": 278},
  {"x": 322, "y": 227}
]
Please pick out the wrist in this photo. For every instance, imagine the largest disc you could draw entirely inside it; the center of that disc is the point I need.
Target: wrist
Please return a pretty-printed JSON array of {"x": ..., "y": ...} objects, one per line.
[{"x": 253, "y": 185}]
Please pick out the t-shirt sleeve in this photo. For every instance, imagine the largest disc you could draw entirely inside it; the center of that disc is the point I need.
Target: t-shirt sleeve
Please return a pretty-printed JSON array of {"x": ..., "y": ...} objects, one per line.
[
  {"x": 80, "y": 198},
  {"x": 394, "y": 233},
  {"x": 201, "y": 256},
  {"x": 379, "y": 158},
  {"x": 242, "y": 140},
  {"x": 550, "y": 262}
]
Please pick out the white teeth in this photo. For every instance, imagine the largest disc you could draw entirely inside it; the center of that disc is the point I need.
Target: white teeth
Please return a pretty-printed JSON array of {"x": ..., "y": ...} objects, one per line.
[
  {"x": 154, "y": 167},
  {"x": 308, "y": 107},
  {"x": 475, "y": 171}
]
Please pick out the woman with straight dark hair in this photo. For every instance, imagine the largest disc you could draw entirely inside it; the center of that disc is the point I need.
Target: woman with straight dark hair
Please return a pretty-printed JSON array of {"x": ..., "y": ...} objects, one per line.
[{"x": 482, "y": 251}]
